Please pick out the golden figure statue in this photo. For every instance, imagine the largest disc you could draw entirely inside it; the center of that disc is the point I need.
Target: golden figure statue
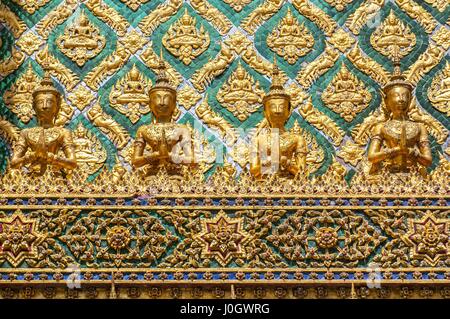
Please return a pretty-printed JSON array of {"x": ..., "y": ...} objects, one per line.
[
  {"x": 40, "y": 146},
  {"x": 399, "y": 143},
  {"x": 170, "y": 143},
  {"x": 276, "y": 150}
]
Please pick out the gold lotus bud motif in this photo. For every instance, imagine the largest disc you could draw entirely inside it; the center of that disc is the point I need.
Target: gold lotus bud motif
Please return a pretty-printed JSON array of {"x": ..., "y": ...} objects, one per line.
[
  {"x": 290, "y": 39},
  {"x": 184, "y": 41},
  {"x": 81, "y": 41}
]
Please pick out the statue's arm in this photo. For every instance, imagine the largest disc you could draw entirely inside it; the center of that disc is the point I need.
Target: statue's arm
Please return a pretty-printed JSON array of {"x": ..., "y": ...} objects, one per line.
[
  {"x": 255, "y": 160},
  {"x": 20, "y": 148},
  {"x": 70, "y": 160},
  {"x": 375, "y": 154},
  {"x": 138, "y": 159},
  {"x": 186, "y": 145},
  {"x": 424, "y": 157},
  {"x": 300, "y": 155}
]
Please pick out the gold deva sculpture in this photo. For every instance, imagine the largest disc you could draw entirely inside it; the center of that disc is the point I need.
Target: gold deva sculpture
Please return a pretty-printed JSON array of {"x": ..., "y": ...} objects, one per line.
[
  {"x": 276, "y": 150},
  {"x": 41, "y": 146},
  {"x": 170, "y": 143},
  {"x": 399, "y": 143}
]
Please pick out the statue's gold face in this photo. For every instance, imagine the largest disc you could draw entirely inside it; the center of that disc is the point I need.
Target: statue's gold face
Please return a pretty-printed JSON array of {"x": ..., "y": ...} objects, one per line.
[
  {"x": 162, "y": 103},
  {"x": 398, "y": 99},
  {"x": 276, "y": 110},
  {"x": 46, "y": 106}
]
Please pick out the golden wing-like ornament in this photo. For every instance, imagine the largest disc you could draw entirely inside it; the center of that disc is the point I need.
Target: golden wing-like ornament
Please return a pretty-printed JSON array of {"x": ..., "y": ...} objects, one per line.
[
  {"x": 361, "y": 132},
  {"x": 8, "y": 131},
  {"x": 434, "y": 127}
]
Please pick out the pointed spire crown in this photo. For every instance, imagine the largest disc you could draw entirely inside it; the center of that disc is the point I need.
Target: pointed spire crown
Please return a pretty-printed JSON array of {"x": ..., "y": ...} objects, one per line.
[
  {"x": 397, "y": 78},
  {"x": 276, "y": 87},
  {"x": 162, "y": 80},
  {"x": 46, "y": 85}
]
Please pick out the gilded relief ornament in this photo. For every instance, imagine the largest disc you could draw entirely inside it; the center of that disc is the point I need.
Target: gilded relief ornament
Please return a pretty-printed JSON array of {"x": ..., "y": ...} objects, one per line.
[
  {"x": 442, "y": 37},
  {"x": 130, "y": 95},
  {"x": 81, "y": 41},
  {"x": 120, "y": 238},
  {"x": 393, "y": 37},
  {"x": 19, "y": 97},
  {"x": 116, "y": 133},
  {"x": 290, "y": 39},
  {"x": 184, "y": 41},
  {"x": 428, "y": 239},
  {"x": 134, "y": 4},
  {"x": 19, "y": 238},
  {"x": 223, "y": 238},
  {"x": 240, "y": 94},
  {"x": 81, "y": 97},
  {"x": 89, "y": 151},
  {"x": 237, "y": 5},
  {"x": 188, "y": 97},
  {"x": 346, "y": 95},
  {"x": 216, "y": 122},
  {"x": 339, "y": 4},
  {"x": 351, "y": 153},
  {"x": 133, "y": 41},
  {"x": 439, "y": 90},
  {"x": 29, "y": 43},
  {"x": 313, "y": 238},
  {"x": 341, "y": 40},
  {"x": 31, "y": 6}
]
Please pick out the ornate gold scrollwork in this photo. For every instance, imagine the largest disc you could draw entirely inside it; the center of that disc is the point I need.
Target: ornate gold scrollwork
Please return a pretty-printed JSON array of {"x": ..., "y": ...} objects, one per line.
[
  {"x": 16, "y": 25},
  {"x": 312, "y": 71},
  {"x": 368, "y": 10},
  {"x": 367, "y": 65},
  {"x": 418, "y": 13},
  {"x": 118, "y": 135},
  {"x": 107, "y": 67},
  {"x": 56, "y": 17},
  {"x": 319, "y": 17},
  {"x": 66, "y": 76},
  {"x": 262, "y": 13},
  {"x": 428, "y": 60},
  {"x": 109, "y": 15},
  {"x": 213, "y": 15},
  {"x": 159, "y": 15},
  {"x": 439, "y": 91},
  {"x": 12, "y": 63}
]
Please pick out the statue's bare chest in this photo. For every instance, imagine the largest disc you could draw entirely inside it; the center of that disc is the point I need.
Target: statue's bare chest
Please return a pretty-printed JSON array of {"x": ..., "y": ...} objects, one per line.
[{"x": 393, "y": 131}]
